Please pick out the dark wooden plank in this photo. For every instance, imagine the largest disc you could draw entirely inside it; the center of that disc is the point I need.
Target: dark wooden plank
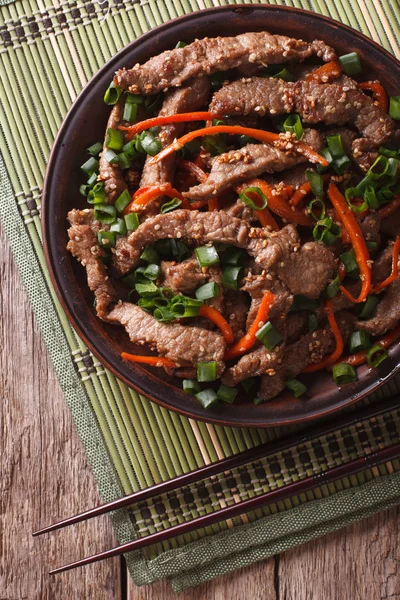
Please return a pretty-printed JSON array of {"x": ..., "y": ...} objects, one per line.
[{"x": 44, "y": 471}]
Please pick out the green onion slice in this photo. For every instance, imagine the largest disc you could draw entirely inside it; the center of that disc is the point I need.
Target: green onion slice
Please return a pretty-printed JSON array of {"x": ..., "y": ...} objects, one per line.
[
  {"x": 349, "y": 260},
  {"x": 131, "y": 221},
  {"x": 326, "y": 231},
  {"x": 335, "y": 145},
  {"x": 163, "y": 314},
  {"x": 95, "y": 149},
  {"x": 114, "y": 139},
  {"x": 207, "y": 371},
  {"x": 180, "y": 45},
  {"x": 106, "y": 239},
  {"x": 122, "y": 201},
  {"x": 389, "y": 152},
  {"x": 351, "y": 64},
  {"x": 113, "y": 94},
  {"x": 207, "y": 256},
  {"x": 152, "y": 272},
  {"x": 233, "y": 256},
  {"x": 312, "y": 322},
  {"x": 244, "y": 196},
  {"x": 97, "y": 194},
  {"x": 150, "y": 145},
  {"x": 207, "y": 291},
  {"x": 359, "y": 340},
  {"x": 207, "y": 398},
  {"x": 371, "y": 198},
  {"x": 316, "y": 182},
  {"x": 232, "y": 277},
  {"x": 328, "y": 157},
  {"x": 91, "y": 166},
  {"x": 105, "y": 213},
  {"x": 332, "y": 289},
  {"x": 293, "y": 124},
  {"x": 269, "y": 336},
  {"x": 378, "y": 168},
  {"x": 130, "y": 112},
  {"x": 146, "y": 289},
  {"x": 297, "y": 387},
  {"x": 111, "y": 157},
  {"x": 119, "y": 227},
  {"x": 318, "y": 203},
  {"x": 124, "y": 161},
  {"x": 248, "y": 384},
  {"x": 191, "y": 386},
  {"x": 344, "y": 373},
  {"x": 226, "y": 393},
  {"x": 366, "y": 309},
  {"x": 342, "y": 164},
  {"x": 284, "y": 74},
  {"x": 170, "y": 206},
  {"x": 150, "y": 256},
  {"x": 394, "y": 107},
  {"x": 376, "y": 355}
]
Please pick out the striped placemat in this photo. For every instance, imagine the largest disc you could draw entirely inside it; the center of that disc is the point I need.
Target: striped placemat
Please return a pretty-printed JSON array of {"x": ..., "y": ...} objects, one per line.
[{"x": 49, "y": 49}]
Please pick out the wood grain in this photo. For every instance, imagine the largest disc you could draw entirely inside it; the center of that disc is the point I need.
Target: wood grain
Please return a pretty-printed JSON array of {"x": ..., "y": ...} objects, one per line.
[{"x": 44, "y": 475}]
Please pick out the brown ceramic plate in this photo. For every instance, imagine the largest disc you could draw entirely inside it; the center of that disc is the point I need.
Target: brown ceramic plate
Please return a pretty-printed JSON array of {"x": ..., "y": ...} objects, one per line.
[{"x": 85, "y": 124}]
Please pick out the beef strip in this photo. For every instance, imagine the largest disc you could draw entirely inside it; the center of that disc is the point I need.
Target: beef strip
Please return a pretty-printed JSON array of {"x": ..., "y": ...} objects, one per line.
[
  {"x": 330, "y": 103},
  {"x": 309, "y": 349},
  {"x": 84, "y": 246},
  {"x": 209, "y": 55},
  {"x": 253, "y": 364},
  {"x": 111, "y": 175},
  {"x": 236, "y": 308},
  {"x": 239, "y": 210},
  {"x": 382, "y": 265},
  {"x": 183, "y": 344},
  {"x": 391, "y": 225},
  {"x": 387, "y": 313},
  {"x": 256, "y": 285},
  {"x": 296, "y": 325},
  {"x": 235, "y": 166},
  {"x": 370, "y": 227},
  {"x": 184, "y": 277}
]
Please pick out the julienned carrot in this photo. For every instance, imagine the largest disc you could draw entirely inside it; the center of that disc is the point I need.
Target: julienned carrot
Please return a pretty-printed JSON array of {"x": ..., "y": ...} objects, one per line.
[
  {"x": 352, "y": 227},
  {"x": 327, "y": 72},
  {"x": 193, "y": 169},
  {"x": 248, "y": 340},
  {"x": 390, "y": 208},
  {"x": 378, "y": 93},
  {"x": 330, "y": 359},
  {"x": 167, "y": 120},
  {"x": 360, "y": 358},
  {"x": 213, "y": 204},
  {"x": 395, "y": 269},
  {"x": 264, "y": 215},
  {"x": 155, "y": 361},
  {"x": 303, "y": 191},
  {"x": 264, "y": 136},
  {"x": 215, "y": 317},
  {"x": 149, "y": 193},
  {"x": 279, "y": 205}
]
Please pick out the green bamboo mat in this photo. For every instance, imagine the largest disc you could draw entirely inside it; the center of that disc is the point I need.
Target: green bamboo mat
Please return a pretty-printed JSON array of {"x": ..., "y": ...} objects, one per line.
[{"x": 48, "y": 51}]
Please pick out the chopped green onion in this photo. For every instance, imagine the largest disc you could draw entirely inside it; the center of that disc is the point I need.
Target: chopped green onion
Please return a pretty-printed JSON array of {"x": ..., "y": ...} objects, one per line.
[
  {"x": 359, "y": 340},
  {"x": 207, "y": 256},
  {"x": 378, "y": 168},
  {"x": 183, "y": 310},
  {"x": 244, "y": 140},
  {"x": 351, "y": 64},
  {"x": 312, "y": 322},
  {"x": 285, "y": 75},
  {"x": 328, "y": 157},
  {"x": 90, "y": 166},
  {"x": 114, "y": 139},
  {"x": 133, "y": 98},
  {"x": 146, "y": 289},
  {"x": 319, "y": 203},
  {"x": 111, "y": 157},
  {"x": 97, "y": 194},
  {"x": 119, "y": 227},
  {"x": 217, "y": 79},
  {"x": 131, "y": 221},
  {"x": 376, "y": 355},
  {"x": 207, "y": 291},
  {"x": 269, "y": 336},
  {"x": 355, "y": 193},
  {"x": 215, "y": 144},
  {"x": 130, "y": 112},
  {"x": 343, "y": 373},
  {"x": 342, "y": 164},
  {"x": 92, "y": 180},
  {"x": 191, "y": 386},
  {"x": 233, "y": 256},
  {"x": 180, "y": 45},
  {"x": 226, "y": 393},
  {"x": 332, "y": 289},
  {"x": 105, "y": 213},
  {"x": 151, "y": 103},
  {"x": 192, "y": 147},
  {"x": 293, "y": 124},
  {"x": 394, "y": 107},
  {"x": 335, "y": 145},
  {"x": 207, "y": 398},
  {"x": 95, "y": 149},
  {"x": 84, "y": 189},
  {"x": 124, "y": 161},
  {"x": 146, "y": 304},
  {"x": 150, "y": 256},
  {"x": 349, "y": 260},
  {"x": 371, "y": 198},
  {"x": 392, "y": 167},
  {"x": 129, "y": 149},
  {"x": 129, "y": 280},
  {"x": 122, "y": 201},
  {"x": 113, "y": 94},
  {"x": 303, "y": 303},
  {"x": 297, "y": 387},
  {"x": 171, "y": 205},
  {"x": 326, "y": 231},
  {"x": 248, "y": 384},
  {"x": 372, "y": 246},
  {"x": 316, "y": 182},
  {"x": 364, "y": 183},
  {"x": 152, "y": 272},
  {"x": 150, "y": 145},
  {"x": 163, "y": 314},
  {"x": 232, "y": 277},
  {"x": 366, "y": 309},
  {"x": 244, "y": 196},
  {"x": 106, "y": 239},
  {"x": 389, "y": 152},
  {"x": 207, "y": 371}
]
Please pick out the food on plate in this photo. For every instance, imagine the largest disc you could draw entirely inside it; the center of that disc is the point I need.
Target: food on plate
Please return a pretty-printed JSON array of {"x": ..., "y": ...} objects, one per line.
[{"x": 244, "y": 215}]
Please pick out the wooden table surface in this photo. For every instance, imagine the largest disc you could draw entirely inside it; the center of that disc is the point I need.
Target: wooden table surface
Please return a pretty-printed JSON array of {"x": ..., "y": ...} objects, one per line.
[{"x": 44, "y": 475}]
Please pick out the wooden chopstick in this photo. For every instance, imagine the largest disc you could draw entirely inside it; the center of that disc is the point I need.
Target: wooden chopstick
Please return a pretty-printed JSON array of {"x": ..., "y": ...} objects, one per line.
[
  {"x": 324, "y": 477},
  {"x": 229, "y": 463}
]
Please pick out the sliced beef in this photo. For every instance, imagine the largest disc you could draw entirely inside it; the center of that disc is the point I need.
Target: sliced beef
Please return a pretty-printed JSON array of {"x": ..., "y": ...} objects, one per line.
[
  {"x": 235, "y": 312},
  {"x": 184, "y": 277},
  {"x": 382, "y": 265},
  {"x": 294, "y": 177},
  {"x": 236, "y": 166},
  {"x": 370, "y": 227},
  {"x": 329, "y": 103},
  {"x": 84, "y": 246},
  {"x": 209, "y": 55},
  {"x": 111, "y": 175},
  {"x": 309, "y": 349},
  {"x": 346, "y": 135},
  {"x": 253, "y": 364},
  {"x": 391, "y": 225},
  {"x": 387, "y": 314},
  {"x": 256, "y": 286},
  {"x": 183, "y": 344},
  {"x": 239, "y": 210},
  {"x": 296, "y": 325}
]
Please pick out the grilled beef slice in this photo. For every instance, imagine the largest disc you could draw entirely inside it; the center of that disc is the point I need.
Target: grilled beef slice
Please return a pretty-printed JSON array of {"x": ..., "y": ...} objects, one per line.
[
  {"x": 387, "y": 314},
  {"x": 84, "y": 246},
  {"x": 111, "y": 175},
  {"x": 329, "y": 103},
  {"x": 235, "y": 166},
  {"x": 235, "y": 312},
  {"x": 183, "y": 344},
  {"x": 184, "y": 277},
  {"x": 209, "y": 55},
  {"x": 391, "y": 225}
]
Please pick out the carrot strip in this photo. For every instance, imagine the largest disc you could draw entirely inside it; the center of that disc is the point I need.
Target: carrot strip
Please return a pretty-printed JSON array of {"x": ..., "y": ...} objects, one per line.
[
  {"x": 149, "y": 193},
  {"x": 193, "y": 169},
  {"x": 349, "y": 221},
  {"x": 213, "y": 204},
  {"x": 333, "y": 357},
  {"x": 248, "y": 340},
  {"x": 327, "y": 72},
  {"x": 278, "y": 204},
  {"x": 264, "y": 136},
  {"x": 390, "y": 208},
  {"x": 341, "y": 271},
  {"x": 215, "y": 317},
  {"x": 360, "y": 358},
  {"x": 167, "y": 120},
  {"x": 303, "y": 191},
  {"x": 378, "y": 93},
  {"x": 155, "y": 361},
  {"x": 395, "y": 269},
  {"x": 264, "y": 215}
]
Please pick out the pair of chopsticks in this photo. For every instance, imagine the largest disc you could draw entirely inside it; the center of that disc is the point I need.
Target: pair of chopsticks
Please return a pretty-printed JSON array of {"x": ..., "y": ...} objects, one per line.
[{"x": 347, "y": 469}]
